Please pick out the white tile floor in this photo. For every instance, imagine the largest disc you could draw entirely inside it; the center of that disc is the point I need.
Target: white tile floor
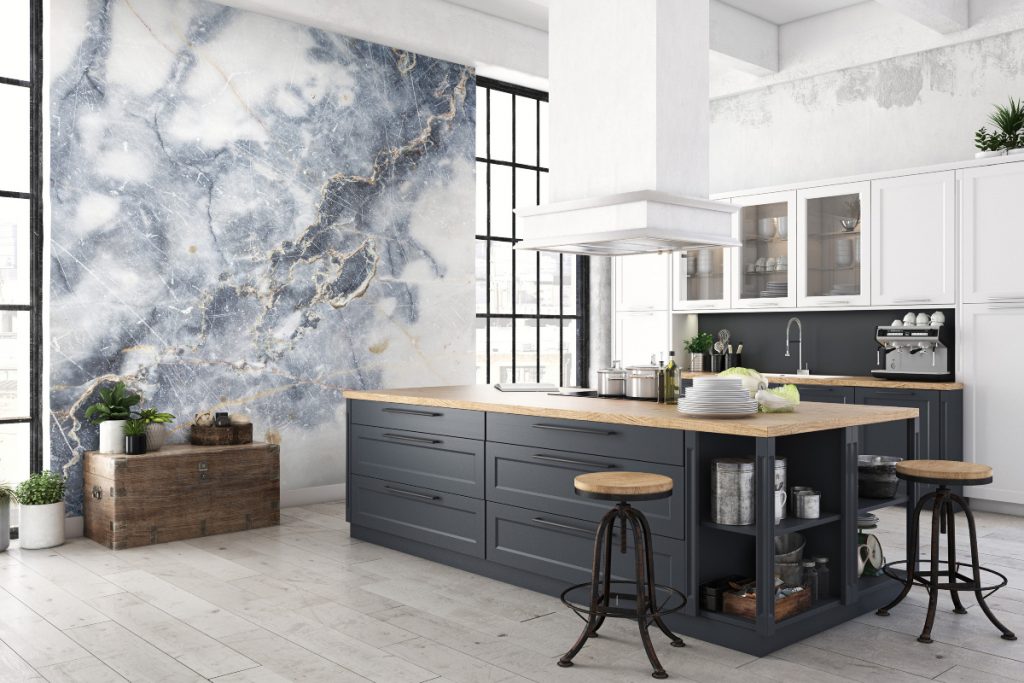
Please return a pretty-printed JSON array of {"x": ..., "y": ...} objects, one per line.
[{"x": 304, "y": 602}]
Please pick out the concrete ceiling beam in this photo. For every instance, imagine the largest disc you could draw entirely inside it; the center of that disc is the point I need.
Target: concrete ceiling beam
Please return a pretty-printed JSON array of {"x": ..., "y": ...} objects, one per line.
[
  {"x": 747, "y": 42},
  {"x": 942, "y": 16}
]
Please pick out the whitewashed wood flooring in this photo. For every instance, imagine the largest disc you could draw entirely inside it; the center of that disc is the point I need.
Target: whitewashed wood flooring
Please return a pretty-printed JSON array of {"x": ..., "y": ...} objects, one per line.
[{"x": 304, "y": 602}]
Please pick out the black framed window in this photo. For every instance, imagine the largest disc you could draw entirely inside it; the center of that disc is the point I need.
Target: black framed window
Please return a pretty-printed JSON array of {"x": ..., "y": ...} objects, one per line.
[
  {"x": 531, "y": 307},
  {"x": 21, "y": 246}
]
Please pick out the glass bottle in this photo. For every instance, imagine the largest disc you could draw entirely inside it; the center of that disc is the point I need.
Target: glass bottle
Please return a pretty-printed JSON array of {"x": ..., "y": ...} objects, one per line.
[
  {"x": 821, "y": 566},
  {"x": 662, "y": 383},
  {"x": 671, "y": 379},
  {"x": 810, "y": 579}
]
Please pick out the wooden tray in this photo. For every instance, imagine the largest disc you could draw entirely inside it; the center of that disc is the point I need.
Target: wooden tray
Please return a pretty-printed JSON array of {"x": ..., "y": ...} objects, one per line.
[
  {"x": 785, "y": 607},
  {"x": 221, "y": 436}
]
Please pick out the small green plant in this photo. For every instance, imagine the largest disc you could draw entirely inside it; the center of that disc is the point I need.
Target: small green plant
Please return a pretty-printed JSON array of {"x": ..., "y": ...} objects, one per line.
[
  {"x": 135, "y": 427},
  {"x": 1009, "y": 128},
  {"x": 115, "y": 404},
  {"x": 153, "y": 417},
  {"x": 42, "y": 488},
  {"x": 7, "y": 493},
  {"x": 989, "y": 142},
  {"x": 699, "y": 343}
]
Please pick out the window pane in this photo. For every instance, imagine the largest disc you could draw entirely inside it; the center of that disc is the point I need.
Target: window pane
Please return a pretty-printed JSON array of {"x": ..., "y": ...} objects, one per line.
[
  {"x": 481, "y": 276},
  {"x": 481, "y": 198},
  {"x": 481, "y": 127},
  {"x": 526, "y": 188},
  {"x": 569, "y": 332},
  {"x": 14, "y": 365},
  {"x": 14, "y": 37},
  {"x": 501, "y": 125},
  {"x": 501, "y": 350},
  {"x": 544, "y": 140},
  {"x": 501, "y": 201},
  {"x": 550, "y": 283},
  {"x": 14, "y": 453},
  {"x": 526, "y": 350},
  {"x": 549, "y": 352},
  {"x": 544, "y": 197},
  {"x": 14, "y": 138},
  {"x": 526, "y": 282},
  {"x": 501, "y": 277},
  {"x": 14, "y": 260},
  {"x": 569, "y": 284},
  {"x": 481, "y": 350},
  {"x": 526, "y": 130}
]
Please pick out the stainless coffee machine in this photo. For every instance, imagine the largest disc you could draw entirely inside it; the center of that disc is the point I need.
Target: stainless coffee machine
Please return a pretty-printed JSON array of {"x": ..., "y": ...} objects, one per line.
[{"x": 916, "y": 348}]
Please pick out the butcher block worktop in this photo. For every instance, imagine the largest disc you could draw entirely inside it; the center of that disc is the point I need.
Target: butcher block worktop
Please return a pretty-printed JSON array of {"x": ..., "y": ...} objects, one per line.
[
  {"x": 808, "y": 417},
  {"x": 866, "y": 381}
]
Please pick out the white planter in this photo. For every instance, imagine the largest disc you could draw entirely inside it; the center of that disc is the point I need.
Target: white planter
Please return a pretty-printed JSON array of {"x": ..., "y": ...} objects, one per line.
[
  {"x": 696, "y": 362},
  {"x": 41, "y": 526},
  {"x": 156, "y": 436},
  {"x": 5, "y": 524},
  {"x": 112, "y": 436},
  {"x": 992, "y": 153},
  {"x": 1018, "y": 150}
]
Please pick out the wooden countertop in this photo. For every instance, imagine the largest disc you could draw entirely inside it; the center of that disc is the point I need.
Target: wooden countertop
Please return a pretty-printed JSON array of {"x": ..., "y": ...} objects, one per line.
[
  {"x": 808, "y": 417},
  {"x": 847, "y": 381}
]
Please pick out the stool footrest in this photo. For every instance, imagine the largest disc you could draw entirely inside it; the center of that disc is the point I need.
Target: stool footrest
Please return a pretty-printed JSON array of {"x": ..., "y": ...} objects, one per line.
[
  {"x": 922, "y": 576},
  {"x": 625, "y": 612}
]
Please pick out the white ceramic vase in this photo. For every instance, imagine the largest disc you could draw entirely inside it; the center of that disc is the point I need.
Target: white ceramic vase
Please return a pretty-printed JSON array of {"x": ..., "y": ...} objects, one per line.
[
  {"x": 112, "y": 436},
  {"x": 5, "y": 523},
  {"x": 696, "y": 362},
  {"x": 156, "y": 436},
  {"x": 41, "y": 526},
  {"x": 991, "y": 153}
]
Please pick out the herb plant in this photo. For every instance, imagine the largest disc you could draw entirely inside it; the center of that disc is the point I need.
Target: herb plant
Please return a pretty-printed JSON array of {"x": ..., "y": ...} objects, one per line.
[
  {"x": 1009, "y": 128},
  {"x": 699, "y": 343},
  {"x": 7, "y": 493},
  {"x": 135, "y": 427},
  {"x": 115, "y": 404},
  {"x": 989, "y": 142},
  {"x": 42, "y": 488},
  {"x": 151, "y": 416}
]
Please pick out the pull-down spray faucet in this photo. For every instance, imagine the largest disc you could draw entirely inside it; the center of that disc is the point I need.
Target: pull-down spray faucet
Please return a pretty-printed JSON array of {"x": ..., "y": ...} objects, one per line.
[{"x": 800, "y": 369}]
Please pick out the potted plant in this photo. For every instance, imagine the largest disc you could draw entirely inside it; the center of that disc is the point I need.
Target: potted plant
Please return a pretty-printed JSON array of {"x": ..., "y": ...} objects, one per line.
[
  {"x": 110, "y": 413},
  {"x": 698, "y": 345},
  {"x": 7, "y": 494},
  {"x": 134, "y": 436},
  {"x": 156, "y": 432},
  {"x": 41, "y": 497},
  {"x": 1008, "y": 136}
]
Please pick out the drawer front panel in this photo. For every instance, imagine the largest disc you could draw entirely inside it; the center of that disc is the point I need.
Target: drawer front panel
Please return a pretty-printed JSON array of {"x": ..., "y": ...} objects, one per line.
[
  {"x": 562, "y": 548},
  {"x": 645, "y": 444},
  {"x": 543, "y": 480},
  {"x": 442, "y": 463},
  {"x": 468, "y": 424},
  {"x": 441, "y": 519},
  {"x": 823, "y": 394}
]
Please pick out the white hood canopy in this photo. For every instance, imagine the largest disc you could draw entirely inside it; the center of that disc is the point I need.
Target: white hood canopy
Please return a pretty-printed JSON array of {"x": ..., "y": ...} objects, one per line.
[{"x": 629, "y": 132}]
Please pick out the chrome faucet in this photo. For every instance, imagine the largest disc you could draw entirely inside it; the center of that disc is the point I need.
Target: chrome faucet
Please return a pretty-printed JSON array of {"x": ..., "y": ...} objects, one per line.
[{"x": 800, "y": 369}]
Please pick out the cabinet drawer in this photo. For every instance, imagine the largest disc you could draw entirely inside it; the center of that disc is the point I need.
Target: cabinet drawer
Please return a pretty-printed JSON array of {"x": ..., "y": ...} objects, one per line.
[
  {"x": 562, "y": 548},
  {"x": 468, "y": 424},
  {"x": 442, "y": 463},
  {"x": 543, "y": 480},
  {"x": 820, "y": 394},
  {"x": 890, "y": 438},
  {"x": 441, "y": 519},
  {"x": 647, "y": 444}
]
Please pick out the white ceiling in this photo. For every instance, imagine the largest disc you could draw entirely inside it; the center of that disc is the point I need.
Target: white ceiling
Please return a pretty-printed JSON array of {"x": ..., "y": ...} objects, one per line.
[{"x": 785, "y": 11}]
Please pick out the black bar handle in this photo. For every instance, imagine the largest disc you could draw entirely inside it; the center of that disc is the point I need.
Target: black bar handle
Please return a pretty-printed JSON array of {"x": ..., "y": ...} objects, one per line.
[
  {"x": 417, "y": 413},
  {"x": 570, "y": 461},
  {"x": 412, "y": 494},
  {"x": 567, "y": 527},
  {"x": 414, "y": 439},
  {"x": 575, "y": 430}
]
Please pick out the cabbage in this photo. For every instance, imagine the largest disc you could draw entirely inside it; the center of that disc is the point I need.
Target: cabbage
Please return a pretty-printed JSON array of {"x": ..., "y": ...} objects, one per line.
[
  {"x": 782, "y": 399},
  {"x": 752, "y": 379}
]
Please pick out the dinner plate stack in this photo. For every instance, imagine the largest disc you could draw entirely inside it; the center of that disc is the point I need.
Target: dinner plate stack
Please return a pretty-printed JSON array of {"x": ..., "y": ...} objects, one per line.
[{"x": 717, "y": 397}]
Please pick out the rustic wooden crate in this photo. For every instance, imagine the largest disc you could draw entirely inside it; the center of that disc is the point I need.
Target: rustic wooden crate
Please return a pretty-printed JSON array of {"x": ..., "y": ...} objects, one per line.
[
  {"x": 745, "y": 607},
  {"x": 179, "y": 492}
]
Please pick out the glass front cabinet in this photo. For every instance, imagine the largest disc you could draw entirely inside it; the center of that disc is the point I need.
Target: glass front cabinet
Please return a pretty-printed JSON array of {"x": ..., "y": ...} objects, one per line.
[
  {"x": 700, "y": 279},
  {"x": 764, "y": 266},
  {"x": 833, "y": 245}
]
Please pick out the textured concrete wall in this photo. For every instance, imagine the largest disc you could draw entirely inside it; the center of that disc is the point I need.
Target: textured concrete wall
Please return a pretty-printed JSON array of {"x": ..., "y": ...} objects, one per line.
[{"x": 907, "y": 111}]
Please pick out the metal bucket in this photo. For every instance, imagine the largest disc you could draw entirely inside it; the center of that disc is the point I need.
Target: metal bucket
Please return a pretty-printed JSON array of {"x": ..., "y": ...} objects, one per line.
[
  {"x": 789, "y": 552},
  {"x": 732, "y": 491}
]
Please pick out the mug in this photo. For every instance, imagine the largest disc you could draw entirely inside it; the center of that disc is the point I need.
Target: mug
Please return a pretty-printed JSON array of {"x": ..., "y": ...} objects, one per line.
[
  {"x": 780, "y": 505},
  {"x": 863, "y": 553},
  {"x": 794, "y": 491}
]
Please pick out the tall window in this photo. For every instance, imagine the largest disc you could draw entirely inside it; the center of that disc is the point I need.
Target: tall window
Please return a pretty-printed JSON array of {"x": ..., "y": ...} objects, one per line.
[
  {"x": 531, "y": 307},
  {"x": 21, "y": 265}
]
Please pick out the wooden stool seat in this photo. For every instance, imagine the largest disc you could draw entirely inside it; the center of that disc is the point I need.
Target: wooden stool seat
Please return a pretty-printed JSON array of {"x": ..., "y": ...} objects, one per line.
[
  {"x": 944, "y": 472},
  {"x": 623, "y": 485}
]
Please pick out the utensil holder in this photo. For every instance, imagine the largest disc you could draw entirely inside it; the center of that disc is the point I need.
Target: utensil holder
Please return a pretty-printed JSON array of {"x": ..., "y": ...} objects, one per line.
[
  {"x": 733, "y": 360},
  {"x": 717, "y": 362}
]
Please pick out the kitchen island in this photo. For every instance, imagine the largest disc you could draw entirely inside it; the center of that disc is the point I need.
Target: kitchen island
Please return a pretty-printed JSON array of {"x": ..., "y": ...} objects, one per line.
[{"x": 482, "y": 480}]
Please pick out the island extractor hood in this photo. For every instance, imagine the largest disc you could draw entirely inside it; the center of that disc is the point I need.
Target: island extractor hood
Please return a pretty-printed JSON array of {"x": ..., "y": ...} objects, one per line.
[{"x": 629, "y": 132}]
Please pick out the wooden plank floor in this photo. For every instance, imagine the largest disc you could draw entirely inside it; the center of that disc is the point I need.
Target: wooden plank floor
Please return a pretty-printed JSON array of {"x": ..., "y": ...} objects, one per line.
[{"x": 304, "y": 602}]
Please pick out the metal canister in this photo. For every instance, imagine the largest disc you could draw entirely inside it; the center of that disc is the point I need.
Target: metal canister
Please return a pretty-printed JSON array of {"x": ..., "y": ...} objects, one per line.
[
  {"x": 780, "y": 479},
  {"x": 808, "y": 505},
  {"x": 732, "y": 491}
]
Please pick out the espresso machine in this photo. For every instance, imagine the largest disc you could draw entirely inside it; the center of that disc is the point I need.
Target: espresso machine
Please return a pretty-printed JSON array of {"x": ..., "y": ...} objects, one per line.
[{"x": 916, "y": 348}]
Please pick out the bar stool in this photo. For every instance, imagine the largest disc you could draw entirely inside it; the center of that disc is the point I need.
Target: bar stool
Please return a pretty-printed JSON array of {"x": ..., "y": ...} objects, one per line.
[
  {"x": 624, "y": 487},
  {"x": 944, "y": 473}
]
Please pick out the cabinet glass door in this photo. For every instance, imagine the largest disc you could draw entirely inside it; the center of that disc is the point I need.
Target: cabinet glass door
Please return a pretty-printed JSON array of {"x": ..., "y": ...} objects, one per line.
[
  {"x": 700, "y": 279},
  {"x": 833, "y": 244},
  {"x": 764, "y": 263}
]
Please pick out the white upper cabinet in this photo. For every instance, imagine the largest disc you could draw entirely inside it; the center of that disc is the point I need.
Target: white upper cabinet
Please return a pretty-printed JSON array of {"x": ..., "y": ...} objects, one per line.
[
  {"x": 764, "y": 266},
  {"x": 640, "y": 334},
  {"x": 700, "y": 279},
  {"x": 833, "y": 245},
  {"x": 913, "y": 240},
  {"x": 641, "y": 282},
  {"x": 992, "y": 225}
]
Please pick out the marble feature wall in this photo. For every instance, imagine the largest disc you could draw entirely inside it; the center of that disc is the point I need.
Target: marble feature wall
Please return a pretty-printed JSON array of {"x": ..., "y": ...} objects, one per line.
[{"x": 251, "y": 215}]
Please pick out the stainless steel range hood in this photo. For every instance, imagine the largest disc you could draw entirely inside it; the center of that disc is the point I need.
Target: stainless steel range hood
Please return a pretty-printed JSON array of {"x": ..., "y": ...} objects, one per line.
[{"x": 629, "y": 132}]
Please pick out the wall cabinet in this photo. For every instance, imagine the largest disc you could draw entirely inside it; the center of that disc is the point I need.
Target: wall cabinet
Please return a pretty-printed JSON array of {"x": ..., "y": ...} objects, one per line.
[
  {"x": 638, "y": 334},
  {"x": 993, "y": 242},
  {"x": 641, "y": 282},
  {"x": 701, "y": 279},
  {"x": 913, "y": 242},
  {"x": 764, "y": 266},
  {"x": 833, "y": 245}
]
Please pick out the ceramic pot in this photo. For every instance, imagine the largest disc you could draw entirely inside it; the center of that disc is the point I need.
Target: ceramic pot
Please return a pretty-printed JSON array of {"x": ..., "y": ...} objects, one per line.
[
  {"x": 135, "y": 445},
  {"x": 696, "y": 362},
  {"x": 112, "y": 436},
  {"x": 5, "y": 523},
  {"x": 1016, "y": 150},
  {"x": 41, "y": 526},
  {"x": 156, "y": 436},
  {"x": 992, "y": 153}
]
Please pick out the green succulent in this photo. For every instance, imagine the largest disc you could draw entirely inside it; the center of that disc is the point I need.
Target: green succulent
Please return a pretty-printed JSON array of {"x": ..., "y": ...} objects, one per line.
[
  {"x": 135, "y": 427},
  {"x": 152, "y": 416},
  {"x": 699, "y": 343},
  {"x": 115, "y": 404},
  {"x": 42, "y": 488}
]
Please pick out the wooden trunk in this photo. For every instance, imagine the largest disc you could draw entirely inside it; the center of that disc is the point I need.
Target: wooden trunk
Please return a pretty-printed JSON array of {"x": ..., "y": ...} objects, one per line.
[{"x": 179, "y": 492}]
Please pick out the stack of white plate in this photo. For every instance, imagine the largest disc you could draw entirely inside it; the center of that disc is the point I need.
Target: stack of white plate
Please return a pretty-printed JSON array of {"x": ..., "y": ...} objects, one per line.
[{"x": 717, "y": 397}]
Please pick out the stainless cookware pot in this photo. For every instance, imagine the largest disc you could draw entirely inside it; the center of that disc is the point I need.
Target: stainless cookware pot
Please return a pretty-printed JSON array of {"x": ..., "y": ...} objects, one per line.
[
  {"x": 642, "y": 382},
  {"x": 611, "y": 381}
]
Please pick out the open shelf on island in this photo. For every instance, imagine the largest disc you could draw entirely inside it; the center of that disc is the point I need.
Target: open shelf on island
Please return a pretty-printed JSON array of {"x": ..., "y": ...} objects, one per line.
[
  {"x": 786, "y": 526},
  {"x": 869, "y": 504}
]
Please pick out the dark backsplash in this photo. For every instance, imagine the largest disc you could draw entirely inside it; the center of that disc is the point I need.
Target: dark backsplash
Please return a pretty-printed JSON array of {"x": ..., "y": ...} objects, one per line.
[{"x": 835, "y": 342}]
